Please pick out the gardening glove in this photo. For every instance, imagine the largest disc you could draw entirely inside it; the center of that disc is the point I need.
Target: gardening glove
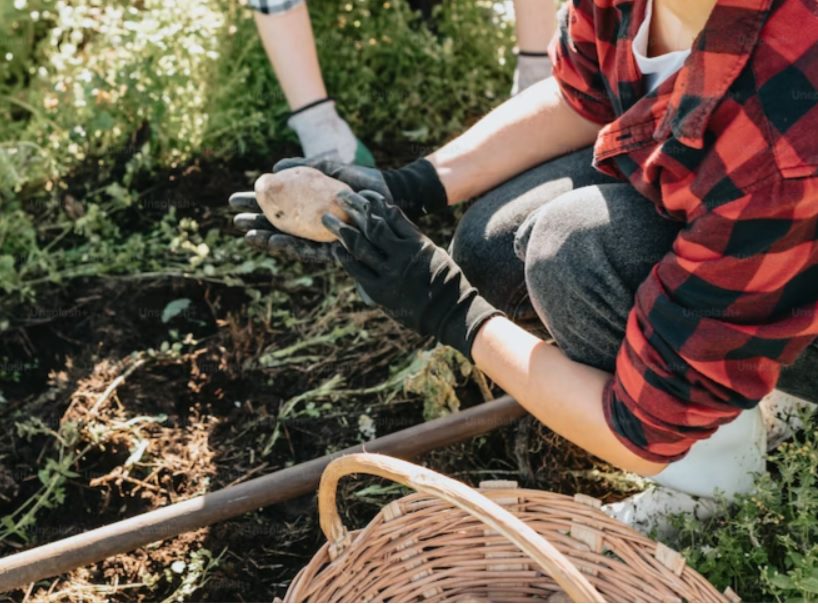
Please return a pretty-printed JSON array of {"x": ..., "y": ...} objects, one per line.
[
  {"x": 323, "y": 133},
  {"x": 416, "y": 282},
  {"x": 260, "y": 234},
  {"x": 415, "y": 188},
  {"x": 532, "y": 67}
]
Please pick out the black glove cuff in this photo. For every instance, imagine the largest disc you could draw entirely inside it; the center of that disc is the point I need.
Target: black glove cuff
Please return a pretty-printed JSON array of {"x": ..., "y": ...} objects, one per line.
[
  {"x": 479, "y": 312},
  {"x": 461, "y": 327},
  {"x": 416, "y": 188}
]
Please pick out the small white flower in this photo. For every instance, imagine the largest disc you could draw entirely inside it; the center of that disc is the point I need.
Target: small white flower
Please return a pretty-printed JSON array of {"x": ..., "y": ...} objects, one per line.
[{"x": 366, "y": 426}]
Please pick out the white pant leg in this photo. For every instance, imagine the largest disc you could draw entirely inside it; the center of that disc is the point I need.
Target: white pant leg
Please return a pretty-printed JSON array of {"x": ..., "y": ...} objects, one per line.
[{"x": 726, "y": 463}]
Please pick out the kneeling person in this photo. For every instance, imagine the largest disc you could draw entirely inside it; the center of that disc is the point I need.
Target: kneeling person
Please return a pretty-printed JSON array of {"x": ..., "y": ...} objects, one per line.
[{"x": 675, "y": 264}]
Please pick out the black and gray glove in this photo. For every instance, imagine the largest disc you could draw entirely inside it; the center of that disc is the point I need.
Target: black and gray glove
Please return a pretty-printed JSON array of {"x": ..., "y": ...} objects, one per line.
[
  {"x": 415, "y": 188},
  {"x": 260, "y": 234},
  {"x": 399, "y": 268}
]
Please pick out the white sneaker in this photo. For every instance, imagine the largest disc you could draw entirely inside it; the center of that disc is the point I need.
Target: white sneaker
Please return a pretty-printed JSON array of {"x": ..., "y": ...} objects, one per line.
[
  {"x": 650, "y": 510},
  {"x": 726, "y": 463}
]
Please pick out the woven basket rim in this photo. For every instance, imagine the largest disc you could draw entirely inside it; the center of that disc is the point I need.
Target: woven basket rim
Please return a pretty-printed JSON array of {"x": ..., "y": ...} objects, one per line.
[{"x": 638, "y": 558}]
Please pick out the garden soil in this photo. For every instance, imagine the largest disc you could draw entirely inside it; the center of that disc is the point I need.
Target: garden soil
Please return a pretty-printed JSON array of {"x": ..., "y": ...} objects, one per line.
[{"x": 181, "y": 423}]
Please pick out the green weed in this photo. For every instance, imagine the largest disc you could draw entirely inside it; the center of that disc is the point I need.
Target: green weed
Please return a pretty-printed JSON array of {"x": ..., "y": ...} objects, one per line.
[
  {"x": 194, "y": 573},
  {"x": 53, "y": 475},
  {"x": 765, "y": 546}
]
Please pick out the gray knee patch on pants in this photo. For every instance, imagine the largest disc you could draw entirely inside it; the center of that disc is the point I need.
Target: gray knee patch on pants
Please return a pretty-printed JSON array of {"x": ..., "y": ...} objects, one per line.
[
  {"x": 483, "y": 244},
  {"x": 585, "y": 255}
]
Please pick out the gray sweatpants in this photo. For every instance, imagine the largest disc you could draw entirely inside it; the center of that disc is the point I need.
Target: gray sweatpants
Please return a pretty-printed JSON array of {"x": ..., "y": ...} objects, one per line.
[{"x": 566, "y": 247}]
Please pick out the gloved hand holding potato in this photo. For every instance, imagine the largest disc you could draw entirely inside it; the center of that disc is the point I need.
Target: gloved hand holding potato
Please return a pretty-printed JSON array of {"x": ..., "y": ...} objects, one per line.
[
  {"x": 283, "y": 215},
  {"x": 292, "y": 202}
]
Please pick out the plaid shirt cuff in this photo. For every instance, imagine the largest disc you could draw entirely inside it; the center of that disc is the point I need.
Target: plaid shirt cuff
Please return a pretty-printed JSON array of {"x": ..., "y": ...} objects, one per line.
[
  {"x": 576, "y": 70},
  {"x": 648, "y": 442}
]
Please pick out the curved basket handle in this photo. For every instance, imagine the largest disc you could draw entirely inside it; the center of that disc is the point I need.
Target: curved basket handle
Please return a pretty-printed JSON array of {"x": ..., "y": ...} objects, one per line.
[{"x": 458, "y": 494}]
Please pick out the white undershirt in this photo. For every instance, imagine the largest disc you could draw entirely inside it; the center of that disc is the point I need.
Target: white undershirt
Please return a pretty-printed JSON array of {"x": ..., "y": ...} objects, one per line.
[{"x": 655, "y": 70}]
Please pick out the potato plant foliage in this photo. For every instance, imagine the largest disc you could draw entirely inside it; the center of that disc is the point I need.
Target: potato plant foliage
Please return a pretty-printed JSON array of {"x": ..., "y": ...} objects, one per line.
[
  {"x": 105, "y": 102},
  {"x": 766, "y": 545}
]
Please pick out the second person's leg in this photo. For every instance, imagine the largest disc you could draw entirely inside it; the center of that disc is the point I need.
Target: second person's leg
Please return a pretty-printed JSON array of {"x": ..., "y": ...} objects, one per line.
[{"x": 483, "y": 244}]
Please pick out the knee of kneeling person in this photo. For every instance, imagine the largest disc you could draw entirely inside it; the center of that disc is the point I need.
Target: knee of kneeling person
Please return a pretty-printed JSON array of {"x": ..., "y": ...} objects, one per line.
[
  {"x": 555, "y": 258},
  {"x": 479, "y": 253},
  {"x": 560, "y": 236},
  {"x": 578, "y": 300}
]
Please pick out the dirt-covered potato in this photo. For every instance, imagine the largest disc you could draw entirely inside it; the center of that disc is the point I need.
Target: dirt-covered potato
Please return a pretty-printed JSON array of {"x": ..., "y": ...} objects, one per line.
[{"x": 295, "y": 199}]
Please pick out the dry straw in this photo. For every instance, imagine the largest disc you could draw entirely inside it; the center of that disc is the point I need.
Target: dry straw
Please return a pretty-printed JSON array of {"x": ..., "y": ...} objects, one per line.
[{"x": 450, "y": 543}]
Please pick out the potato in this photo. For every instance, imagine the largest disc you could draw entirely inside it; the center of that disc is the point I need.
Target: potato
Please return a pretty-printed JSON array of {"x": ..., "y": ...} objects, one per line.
[{"x": 295, "y": 199}]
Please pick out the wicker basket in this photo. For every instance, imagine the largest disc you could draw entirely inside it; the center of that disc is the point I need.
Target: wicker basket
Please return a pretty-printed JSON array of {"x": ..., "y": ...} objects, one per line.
[{"x": 449, "y": 543}]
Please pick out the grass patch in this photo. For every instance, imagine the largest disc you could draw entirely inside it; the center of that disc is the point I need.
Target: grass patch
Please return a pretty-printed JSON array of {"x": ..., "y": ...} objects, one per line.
[
  {"x": 102, "y": 101},
  {"x": 765, "y": 546}
]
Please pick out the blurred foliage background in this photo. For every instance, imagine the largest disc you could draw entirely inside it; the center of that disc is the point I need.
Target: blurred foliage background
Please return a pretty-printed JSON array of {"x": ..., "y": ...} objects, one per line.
[{"x": 98, "y": 95}]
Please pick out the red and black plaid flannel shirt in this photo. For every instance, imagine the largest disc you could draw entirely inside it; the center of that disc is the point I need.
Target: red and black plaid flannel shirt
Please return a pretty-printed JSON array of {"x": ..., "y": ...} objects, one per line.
[{"x": 729, "y": 146}]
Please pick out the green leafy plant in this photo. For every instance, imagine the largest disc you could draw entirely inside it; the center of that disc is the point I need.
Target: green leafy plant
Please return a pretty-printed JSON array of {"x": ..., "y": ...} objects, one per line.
[
  {"x": 194, "y": 573},
  {"x": 107, "y": 93},
  {"x": 765, "y": 546},
  {"x": 401, "y": 82},
  {"x": 53, "y": 475}
]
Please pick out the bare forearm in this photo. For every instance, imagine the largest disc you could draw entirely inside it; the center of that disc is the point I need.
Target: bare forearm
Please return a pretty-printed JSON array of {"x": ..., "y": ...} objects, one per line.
[
  {"x": 288, "y": 40},
  {"x": 535, "y": 23},
  {"x": 528, "y": 129},
  {"x": 564, "y": 395}
]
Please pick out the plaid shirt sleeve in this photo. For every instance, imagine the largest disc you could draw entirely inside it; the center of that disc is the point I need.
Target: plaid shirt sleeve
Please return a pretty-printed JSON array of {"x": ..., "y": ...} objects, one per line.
[
  {"x": 716, "y": 319},
  {"x": 727, "y": 145},
  {"x": 576, "y": 66}
]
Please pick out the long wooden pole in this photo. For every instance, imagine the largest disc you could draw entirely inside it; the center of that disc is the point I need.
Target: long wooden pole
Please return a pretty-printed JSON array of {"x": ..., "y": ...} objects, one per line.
[{"x": 126, "y": 535}]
